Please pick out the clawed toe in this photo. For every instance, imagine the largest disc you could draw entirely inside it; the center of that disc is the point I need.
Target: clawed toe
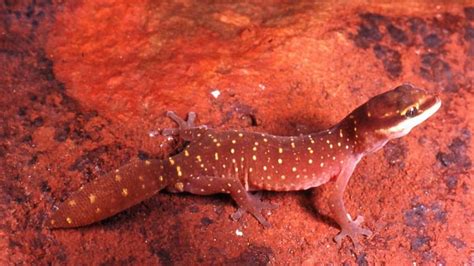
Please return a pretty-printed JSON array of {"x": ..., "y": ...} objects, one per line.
[
  {"x": 257, "y": 214},
  {"x": 181, "y": 122},
  {"x": 362, "y": 231},
  {"x": 257, "y": 206},
  {"x": 191, "y": 119},
  {"x": 262, "y": 220},
  {"x": 353, "y": 230},
  {"x": 238, "y": 214},
  {"x": 359, "y": 220},
  {"x": 178, "y": 120},
  {"x": 262, "y": 205}
]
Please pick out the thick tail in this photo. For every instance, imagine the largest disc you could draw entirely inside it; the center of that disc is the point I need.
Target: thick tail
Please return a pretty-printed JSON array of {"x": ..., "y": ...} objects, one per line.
[{"x": 110, "y": 194}]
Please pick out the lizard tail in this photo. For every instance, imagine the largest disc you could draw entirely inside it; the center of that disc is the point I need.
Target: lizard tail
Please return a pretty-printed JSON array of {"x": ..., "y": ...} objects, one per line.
[{"x": 110, "y": 194}]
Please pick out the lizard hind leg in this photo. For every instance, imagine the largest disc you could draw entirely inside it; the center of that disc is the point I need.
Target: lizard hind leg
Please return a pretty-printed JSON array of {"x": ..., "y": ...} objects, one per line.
[
  {"x": 259, "y": 205},
  {"x": 186, "y": 129},
  {"x": 208, "y": 185},
  {"x": 182, "y": 125}
]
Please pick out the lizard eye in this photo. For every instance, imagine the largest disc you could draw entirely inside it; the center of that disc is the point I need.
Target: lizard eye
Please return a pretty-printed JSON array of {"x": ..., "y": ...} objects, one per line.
[{"x": 412, "y": 112}]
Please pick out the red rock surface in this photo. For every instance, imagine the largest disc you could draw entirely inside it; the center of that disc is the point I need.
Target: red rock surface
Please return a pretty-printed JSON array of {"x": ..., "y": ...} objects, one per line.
[{"x": 85, "y": 84}]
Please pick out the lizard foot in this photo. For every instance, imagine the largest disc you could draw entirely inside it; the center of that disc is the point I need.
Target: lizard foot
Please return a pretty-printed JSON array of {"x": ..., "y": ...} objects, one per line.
[
  {"x": 353, "y": 230},
  {"x": 257, "y": 207},
  {"x": 182, "y": 124}
]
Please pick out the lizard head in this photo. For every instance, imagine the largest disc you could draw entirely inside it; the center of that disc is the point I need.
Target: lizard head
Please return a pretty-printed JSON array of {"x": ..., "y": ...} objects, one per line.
[
  {"x": 395, "y": 113},
  {"x": 392, "y": 114}
]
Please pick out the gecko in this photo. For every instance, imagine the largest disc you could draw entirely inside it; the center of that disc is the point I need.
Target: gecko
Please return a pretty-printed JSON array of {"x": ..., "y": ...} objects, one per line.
[{"x": 238, "y": 163}]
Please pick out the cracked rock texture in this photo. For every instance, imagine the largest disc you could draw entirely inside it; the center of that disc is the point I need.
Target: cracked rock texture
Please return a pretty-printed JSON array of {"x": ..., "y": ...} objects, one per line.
[{"x": 85, "y": 85}]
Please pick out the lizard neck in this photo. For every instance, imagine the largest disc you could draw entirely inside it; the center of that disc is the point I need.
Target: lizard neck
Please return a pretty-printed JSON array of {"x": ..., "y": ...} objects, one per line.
[{"x": 363, "y": 134}]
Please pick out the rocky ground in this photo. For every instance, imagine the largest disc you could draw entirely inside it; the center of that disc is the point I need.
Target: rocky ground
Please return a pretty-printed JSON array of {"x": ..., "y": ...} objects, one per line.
[{"x": 84, "y": 86}]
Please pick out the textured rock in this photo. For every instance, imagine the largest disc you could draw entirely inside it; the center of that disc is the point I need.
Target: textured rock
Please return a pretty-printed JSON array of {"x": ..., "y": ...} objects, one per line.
[{"x": 86, "y": 85}]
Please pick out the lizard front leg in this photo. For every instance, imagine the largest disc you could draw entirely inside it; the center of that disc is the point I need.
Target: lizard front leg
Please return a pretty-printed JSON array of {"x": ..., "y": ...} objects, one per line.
[{"x": 332, "y": 193}]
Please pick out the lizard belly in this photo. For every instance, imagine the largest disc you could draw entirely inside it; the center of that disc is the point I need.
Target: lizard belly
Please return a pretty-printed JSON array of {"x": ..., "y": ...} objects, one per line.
[{"x": 290, "y": 181}]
